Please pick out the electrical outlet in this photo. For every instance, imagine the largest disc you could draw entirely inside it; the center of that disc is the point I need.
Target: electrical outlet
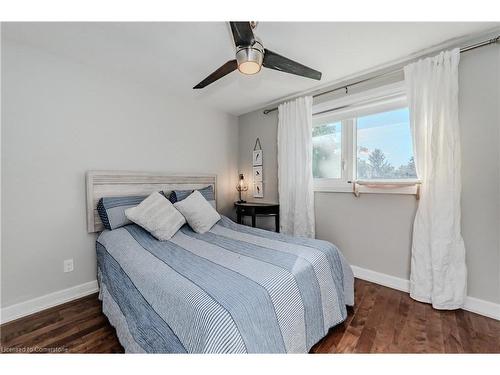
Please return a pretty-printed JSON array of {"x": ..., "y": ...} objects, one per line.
[{"x": 68, "y": 265}]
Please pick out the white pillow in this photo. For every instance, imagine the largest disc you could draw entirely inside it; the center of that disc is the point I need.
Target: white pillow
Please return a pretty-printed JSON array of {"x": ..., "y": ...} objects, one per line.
[
  {"x": 157, "y": 215},
  {"x": 199, "y": 214}
]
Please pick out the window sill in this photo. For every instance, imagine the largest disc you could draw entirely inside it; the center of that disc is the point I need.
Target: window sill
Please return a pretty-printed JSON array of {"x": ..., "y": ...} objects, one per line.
[{"x": 364, "y": 187}]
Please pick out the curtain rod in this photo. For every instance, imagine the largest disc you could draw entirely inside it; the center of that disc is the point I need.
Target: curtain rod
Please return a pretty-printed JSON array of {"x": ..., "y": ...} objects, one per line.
[{"x": 346, "y": 87}]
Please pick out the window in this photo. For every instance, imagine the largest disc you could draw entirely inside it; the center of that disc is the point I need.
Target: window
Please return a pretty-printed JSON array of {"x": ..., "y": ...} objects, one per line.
[
  {"x": 327, "y": 150},
  {"x": 370, "y": 143},
  {"x": 384, "y": 147}
]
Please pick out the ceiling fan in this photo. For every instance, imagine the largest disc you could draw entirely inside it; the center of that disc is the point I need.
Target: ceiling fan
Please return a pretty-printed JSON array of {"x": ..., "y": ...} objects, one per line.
[{"x": 251, "y": 56}]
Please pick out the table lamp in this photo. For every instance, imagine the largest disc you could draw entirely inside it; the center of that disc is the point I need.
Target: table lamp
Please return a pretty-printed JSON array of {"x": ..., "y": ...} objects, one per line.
[{"x": 241, "y": 187}]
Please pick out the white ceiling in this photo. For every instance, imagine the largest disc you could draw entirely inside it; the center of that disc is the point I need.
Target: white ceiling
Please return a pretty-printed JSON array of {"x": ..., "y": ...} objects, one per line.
[{"x": 176, "y": 56}]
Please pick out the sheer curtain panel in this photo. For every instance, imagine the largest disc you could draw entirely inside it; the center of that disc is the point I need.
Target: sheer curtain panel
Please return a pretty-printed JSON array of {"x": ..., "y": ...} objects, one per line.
[
  {"x": 295, "y": 179},
  {"x": 438, "y": 271}
]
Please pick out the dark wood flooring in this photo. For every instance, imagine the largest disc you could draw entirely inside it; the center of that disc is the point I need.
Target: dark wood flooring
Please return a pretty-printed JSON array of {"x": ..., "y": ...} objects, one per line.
[{"x": 383, "y": 320}]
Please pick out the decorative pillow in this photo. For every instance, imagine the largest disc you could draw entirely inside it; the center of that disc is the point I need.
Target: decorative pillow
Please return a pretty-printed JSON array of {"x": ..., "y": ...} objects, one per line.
[
  {"x": 112, "y": 210},
  {"x": 179, "y": 195},
  {"x": 199, "y": 214},
  {"x": 158, "y": 216},
  {"x": 172, "y": 197}
]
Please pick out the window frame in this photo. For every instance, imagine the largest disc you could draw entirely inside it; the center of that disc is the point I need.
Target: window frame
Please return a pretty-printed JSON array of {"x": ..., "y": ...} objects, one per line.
[
  {"x": 342, "y": 183},
  {"x": 351, "y": 107}
]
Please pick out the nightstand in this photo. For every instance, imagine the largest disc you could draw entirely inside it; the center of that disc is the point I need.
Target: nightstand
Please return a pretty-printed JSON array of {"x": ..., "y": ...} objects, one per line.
[{"x": 255, "y": 209}]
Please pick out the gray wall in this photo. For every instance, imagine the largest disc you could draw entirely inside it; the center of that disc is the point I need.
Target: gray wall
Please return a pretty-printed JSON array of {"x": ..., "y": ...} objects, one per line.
[
  {"x": 60, "y": 119},
  {"x": 253, "y": 125},
  {"x": 374, "y": 231},
  {"x": 480, "y": 126}
]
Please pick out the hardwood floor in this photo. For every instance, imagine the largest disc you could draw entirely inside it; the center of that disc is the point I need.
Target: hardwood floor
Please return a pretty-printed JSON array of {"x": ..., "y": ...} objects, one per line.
[{"x": 383, "y": 320}]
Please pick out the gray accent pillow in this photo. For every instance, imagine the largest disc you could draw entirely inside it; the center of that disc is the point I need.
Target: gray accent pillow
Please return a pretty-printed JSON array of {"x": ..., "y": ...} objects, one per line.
[
  {"x": 112, "y": 209},
  {"x": 158, "y": 216},
  {"x": 199, "y": 214}
]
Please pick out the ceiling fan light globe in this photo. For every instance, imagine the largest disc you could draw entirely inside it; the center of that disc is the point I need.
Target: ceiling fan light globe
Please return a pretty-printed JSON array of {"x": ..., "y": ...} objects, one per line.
[
  {"x": 249, "y": 67},
  {"x": 250, "y": 59}
]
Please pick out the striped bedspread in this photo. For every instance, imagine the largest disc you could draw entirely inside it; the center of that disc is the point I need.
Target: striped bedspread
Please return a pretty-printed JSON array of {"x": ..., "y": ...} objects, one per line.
[{"x": 234, "y": 289}]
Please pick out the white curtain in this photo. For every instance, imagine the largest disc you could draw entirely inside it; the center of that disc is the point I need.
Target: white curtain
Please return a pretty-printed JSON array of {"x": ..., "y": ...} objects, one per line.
[
  {"x": 438, "y": 271},
  {"x": 295, "y": 179}
]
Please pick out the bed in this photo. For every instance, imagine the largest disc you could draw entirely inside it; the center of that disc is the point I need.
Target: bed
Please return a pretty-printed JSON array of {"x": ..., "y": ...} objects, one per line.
[{"x": 234, "y": 289}]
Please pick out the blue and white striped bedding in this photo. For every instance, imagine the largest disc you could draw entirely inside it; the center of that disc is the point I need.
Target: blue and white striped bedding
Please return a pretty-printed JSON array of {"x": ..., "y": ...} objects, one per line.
[{"x": 234, "y": 289}]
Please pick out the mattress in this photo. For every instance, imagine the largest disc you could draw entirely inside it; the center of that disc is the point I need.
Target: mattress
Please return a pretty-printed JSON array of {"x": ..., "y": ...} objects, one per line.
[{"x": 234, "y": 289}]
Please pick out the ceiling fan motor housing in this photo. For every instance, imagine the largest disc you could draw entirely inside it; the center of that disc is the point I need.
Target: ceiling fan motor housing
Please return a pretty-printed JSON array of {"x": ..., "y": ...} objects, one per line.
[{"x": 250, "y": 58}]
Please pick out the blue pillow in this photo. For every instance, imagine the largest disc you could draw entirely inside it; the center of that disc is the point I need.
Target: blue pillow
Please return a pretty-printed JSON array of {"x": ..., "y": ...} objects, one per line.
[
  {"x": 112, "y": 210},
  {"x": 179, "y": 195},
  {"x": 172, "y": 197}
]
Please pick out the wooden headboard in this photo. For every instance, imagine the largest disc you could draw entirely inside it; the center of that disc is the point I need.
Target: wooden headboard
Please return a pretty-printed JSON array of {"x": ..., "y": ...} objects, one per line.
[{"x": 120, "y": 183}]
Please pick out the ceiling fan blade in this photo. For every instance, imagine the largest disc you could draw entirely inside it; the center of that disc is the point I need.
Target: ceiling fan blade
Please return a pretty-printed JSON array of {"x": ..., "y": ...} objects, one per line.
[
  {"x": 277, "y": 62},
  {"x": 242, "y": 33},
  {"x": 219, "y": 73}
]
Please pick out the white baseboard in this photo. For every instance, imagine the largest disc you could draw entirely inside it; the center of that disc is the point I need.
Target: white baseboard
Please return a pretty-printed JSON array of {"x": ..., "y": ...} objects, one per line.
[
  {"x": 34, "y": 305},
  {"x": 482, "y": 307},
  {"x": 381, "y": 279},
  {"x": 472, "y": 304}
]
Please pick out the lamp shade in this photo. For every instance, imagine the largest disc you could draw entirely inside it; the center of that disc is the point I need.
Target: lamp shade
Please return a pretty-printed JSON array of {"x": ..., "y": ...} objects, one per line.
[{"x": 242, "y": 186}]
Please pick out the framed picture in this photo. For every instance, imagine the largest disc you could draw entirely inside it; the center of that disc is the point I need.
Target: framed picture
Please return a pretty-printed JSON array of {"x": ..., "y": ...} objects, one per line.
[
  {"x": 258, "y": 190},
  {"x": 257, "y": 158},
  {"x": 257, "y": 174}
]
